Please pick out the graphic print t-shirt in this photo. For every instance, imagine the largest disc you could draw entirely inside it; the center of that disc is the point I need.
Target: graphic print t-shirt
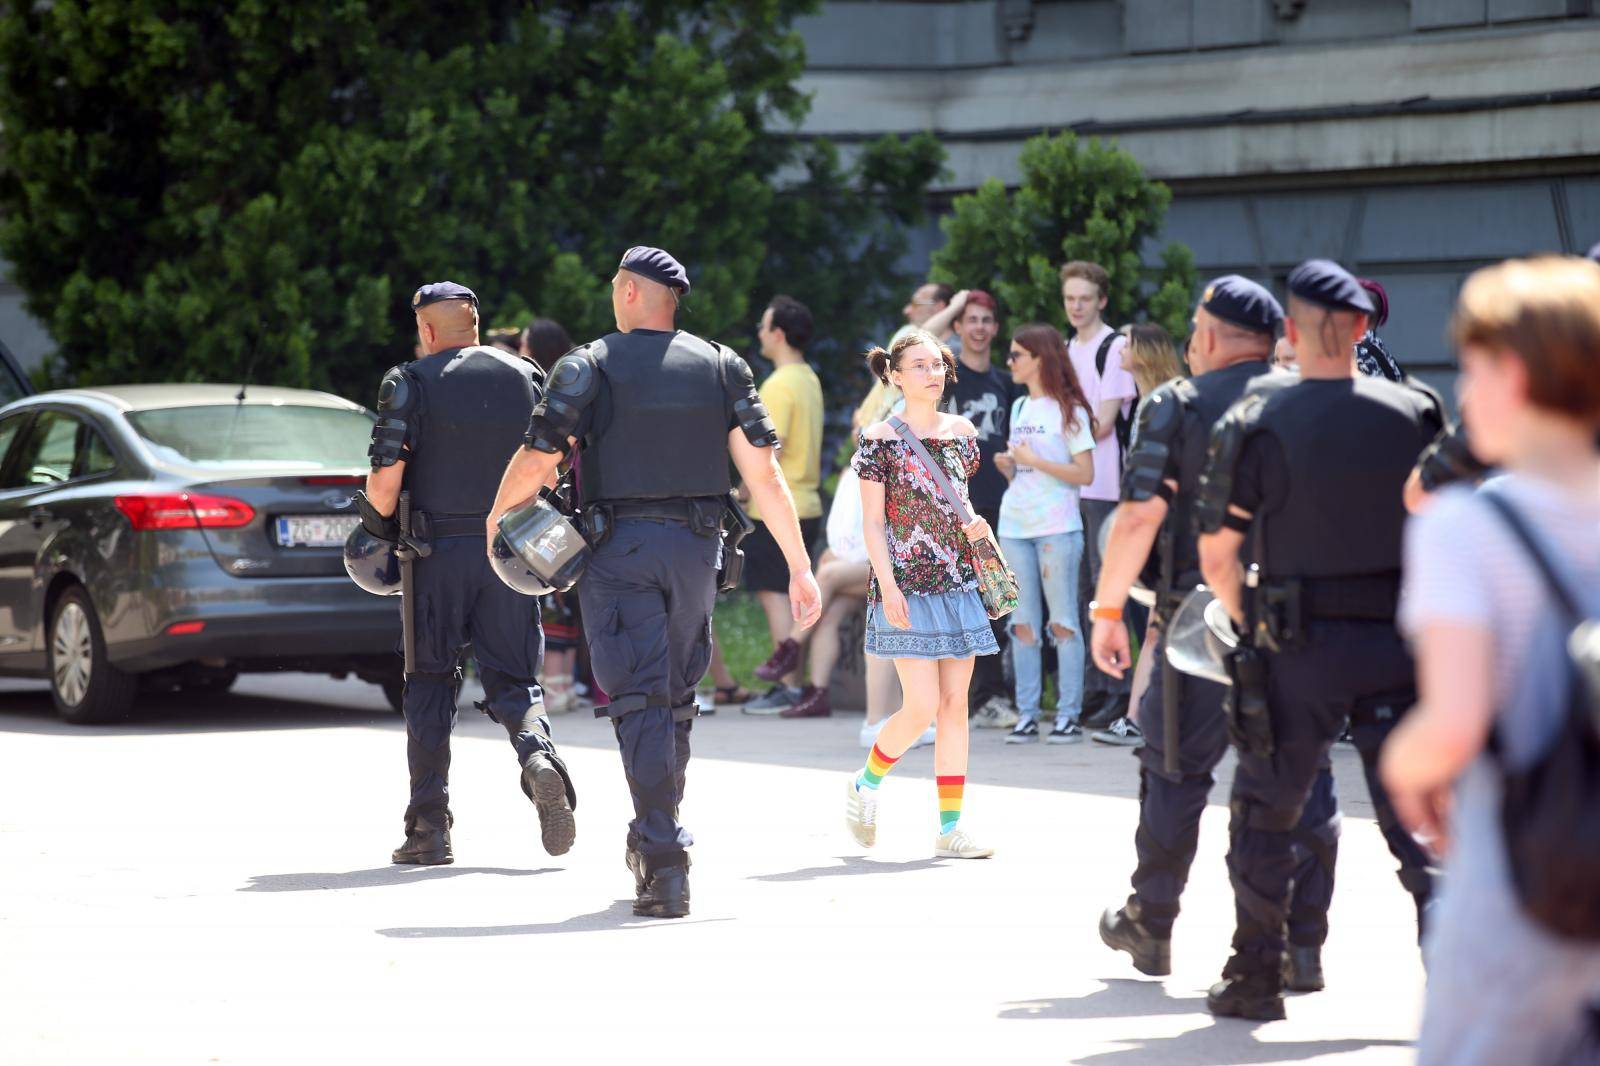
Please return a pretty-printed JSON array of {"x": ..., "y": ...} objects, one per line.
[
  {"x": 1036, "y": 504},
  {"x": 984, "y": 397}
]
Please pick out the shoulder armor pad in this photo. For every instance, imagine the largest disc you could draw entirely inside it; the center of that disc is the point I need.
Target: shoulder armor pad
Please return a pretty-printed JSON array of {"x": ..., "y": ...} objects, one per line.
[
  {"x": 1227, "y": 438},
  {"x": 739, "y": 384},
  {"x": 398, "y": 399},
  {"x": 1160, "y": 422},
  {"x": 573, "y": 384}
]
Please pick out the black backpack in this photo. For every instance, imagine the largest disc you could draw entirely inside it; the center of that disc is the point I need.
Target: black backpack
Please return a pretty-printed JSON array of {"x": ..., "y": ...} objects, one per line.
[
  {"x": 1124, "y": 419},
  {"x": 1550, "y": 809}
]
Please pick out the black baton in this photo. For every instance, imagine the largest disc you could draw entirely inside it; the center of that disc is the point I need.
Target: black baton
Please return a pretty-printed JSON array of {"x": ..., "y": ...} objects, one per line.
[{"x": 403, "y": 551}]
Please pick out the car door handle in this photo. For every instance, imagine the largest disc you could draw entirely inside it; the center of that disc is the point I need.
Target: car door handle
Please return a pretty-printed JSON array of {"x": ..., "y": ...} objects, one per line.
[{"x": 40, "y": 515}]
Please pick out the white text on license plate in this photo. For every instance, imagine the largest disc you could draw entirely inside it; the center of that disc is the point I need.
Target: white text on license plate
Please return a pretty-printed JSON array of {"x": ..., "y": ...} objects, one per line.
[{"x": 315, "y": 530}]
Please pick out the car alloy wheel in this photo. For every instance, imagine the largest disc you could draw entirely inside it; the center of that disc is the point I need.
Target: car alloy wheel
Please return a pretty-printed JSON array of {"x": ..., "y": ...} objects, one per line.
[{"x": 73, "y": 654}]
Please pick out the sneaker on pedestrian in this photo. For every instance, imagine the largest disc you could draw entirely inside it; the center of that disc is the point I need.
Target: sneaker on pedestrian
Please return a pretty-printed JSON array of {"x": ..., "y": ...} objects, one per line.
[
  {"x": 869, "y": 732},
  {"x": 928, "y": 736},
  {"x": 1122, "y": 733},
  {"x": 1025, "y": 733},
  {"x": 995, "y": 713},
  {"x": 785, "y": 657},
  {"x": 957, "y": 845},
  {"x": 1065, "y": 733},
  {"x": 813, "y": 703},
  {"x": 861, "y": 812},
  {"x": 777, "y": 699}
]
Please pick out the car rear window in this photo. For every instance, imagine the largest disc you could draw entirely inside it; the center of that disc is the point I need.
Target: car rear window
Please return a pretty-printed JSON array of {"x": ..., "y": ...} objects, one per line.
[{"x": 251, "y": 434}]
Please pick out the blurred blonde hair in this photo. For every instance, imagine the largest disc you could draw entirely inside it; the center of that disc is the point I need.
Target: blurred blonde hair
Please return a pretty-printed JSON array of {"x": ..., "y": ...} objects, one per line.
[
  {"x": 1151, "y": 357},
  {"x": 1546, "y": 312}
]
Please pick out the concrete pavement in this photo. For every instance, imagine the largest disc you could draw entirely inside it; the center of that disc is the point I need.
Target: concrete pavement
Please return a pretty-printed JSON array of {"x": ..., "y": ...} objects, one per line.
[{"x": 209, "y": 884}]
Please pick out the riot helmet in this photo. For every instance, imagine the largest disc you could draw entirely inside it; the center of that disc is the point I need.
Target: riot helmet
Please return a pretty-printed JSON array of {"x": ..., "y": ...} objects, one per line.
[
  {"x": 546, "y": 541},
  {"x": 370, "y": 561},
  {"x": 1201, "y": 636},
  {"x": 509, "y": 568}
]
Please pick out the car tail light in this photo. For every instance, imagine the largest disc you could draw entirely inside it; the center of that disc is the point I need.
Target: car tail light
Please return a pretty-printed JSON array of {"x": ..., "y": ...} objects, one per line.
[
  {"x": 185, "y": 510},
  {"x": 184, "y": 629},
  {"x": 335, "y": 479}
]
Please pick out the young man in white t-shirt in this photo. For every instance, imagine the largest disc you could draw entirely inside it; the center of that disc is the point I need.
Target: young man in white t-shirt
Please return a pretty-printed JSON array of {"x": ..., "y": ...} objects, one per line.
[{"x": 1112, "y": 392}]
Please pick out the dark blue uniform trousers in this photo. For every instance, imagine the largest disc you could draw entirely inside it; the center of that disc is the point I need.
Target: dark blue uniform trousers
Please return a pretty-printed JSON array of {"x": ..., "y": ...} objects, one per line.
[
  {"x": 460, "y": 601},
  {"x": 647, "y": 599},
  {"x": 1352, "y": 671},
  {"x": 1170, "y": 809}
]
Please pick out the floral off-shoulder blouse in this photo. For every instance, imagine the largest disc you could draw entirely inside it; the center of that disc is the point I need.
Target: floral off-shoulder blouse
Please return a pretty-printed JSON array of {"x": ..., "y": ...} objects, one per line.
[{"x": 928, "y": 551}]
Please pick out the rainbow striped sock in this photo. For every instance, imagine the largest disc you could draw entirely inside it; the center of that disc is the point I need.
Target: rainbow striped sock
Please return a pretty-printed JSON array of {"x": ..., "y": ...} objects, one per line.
[
  {"x": 878, "y": 764},
  {"x": 950, "y": 789}
]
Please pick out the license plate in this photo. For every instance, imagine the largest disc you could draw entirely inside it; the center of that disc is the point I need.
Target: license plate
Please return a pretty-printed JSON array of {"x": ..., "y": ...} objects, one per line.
[{"x": 315, "y": 530}]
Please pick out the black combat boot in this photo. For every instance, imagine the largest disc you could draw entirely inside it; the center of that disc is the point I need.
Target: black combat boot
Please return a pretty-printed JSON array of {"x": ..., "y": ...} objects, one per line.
[
  {"x": 1123, "y": 931},
  {"x": 1302, "y": 968},
  {"x": 426, "y": 844},
  {"x": 545, "y": 785},
  {"x": 1247, "y": 990},
  {"x": 667, "y": 894}
]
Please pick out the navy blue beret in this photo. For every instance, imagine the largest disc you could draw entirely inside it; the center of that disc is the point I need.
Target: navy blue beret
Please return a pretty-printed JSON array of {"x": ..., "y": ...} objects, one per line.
[
  {"x": 1327, "y": 284},
  {"x": 656, "y": 265},
  {"x": 440, "y": 291},
  {"x": 1243, "y": 303}
]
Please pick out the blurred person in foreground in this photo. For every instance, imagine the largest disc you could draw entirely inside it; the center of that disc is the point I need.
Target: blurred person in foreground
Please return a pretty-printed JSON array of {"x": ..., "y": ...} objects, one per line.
[{"x": 1490, "y": 643}]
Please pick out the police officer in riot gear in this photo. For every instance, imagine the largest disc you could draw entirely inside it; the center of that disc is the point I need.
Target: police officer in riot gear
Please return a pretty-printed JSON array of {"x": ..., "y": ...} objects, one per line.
[
  {"x": 657, "y": 412},
  {"x": 1181, "y": 717},
  {"x": 447, "y": 421},
  {"x": 1300, "y": 515}
]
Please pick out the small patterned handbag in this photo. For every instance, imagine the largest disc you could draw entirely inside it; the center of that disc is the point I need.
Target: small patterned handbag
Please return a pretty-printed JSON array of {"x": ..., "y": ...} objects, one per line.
[{"x": 997, "y": 585}]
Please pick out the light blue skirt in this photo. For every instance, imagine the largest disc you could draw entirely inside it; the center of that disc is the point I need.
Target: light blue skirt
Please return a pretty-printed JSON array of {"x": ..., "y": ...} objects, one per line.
[{"x": 947, "y": 625}]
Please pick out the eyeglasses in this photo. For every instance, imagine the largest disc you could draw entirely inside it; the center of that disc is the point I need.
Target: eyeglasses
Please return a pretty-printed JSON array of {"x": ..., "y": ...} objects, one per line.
[
  {"x": 1013, "y": 355},
  {"x": 927, "y": 370}
]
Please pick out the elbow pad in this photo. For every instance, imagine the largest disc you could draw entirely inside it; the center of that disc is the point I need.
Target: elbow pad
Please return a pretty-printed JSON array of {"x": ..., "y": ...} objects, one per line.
[
  {"x": 744, "y": 403},
  {"x": 1160, "y": 422},
  {"x": 574, "y": 384},
  {"x": 398, "y": 398},
  {"x": 1449, "y": 459},
  {"x": 1216, "y": 483}
]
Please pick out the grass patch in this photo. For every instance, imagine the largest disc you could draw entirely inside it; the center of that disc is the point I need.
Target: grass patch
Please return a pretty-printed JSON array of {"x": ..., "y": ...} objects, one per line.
[{"x": 741, "y": 628}]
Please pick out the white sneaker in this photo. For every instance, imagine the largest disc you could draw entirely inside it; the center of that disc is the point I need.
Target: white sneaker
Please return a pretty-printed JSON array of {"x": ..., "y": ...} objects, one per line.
[
  {"x": 996, "y": 713},
  {"x": 869, "y": 733},
  {"x": 927, "y": 737},
  {"x": 957, "y": 845},
  {"x": 861, "y": 813}
]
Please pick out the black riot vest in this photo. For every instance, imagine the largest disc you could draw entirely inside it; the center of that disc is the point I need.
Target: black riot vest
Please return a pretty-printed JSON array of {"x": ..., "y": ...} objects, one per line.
[
  {"x": 1208, "y": 398},
  {"x": 661, "y": 420},
  {"x": 1348, "y": 446},
  {"x": 473, "y": 412}
]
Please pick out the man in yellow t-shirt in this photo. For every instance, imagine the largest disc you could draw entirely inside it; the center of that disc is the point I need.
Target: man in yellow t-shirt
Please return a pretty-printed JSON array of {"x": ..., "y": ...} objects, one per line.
[{"x": 792, "y": 394}]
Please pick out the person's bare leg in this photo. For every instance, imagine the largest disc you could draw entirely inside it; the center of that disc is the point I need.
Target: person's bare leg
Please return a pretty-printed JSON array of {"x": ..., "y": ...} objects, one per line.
[
  {"x": 720, "y": 675},
  {"x": 950, "y": 736},
  {"x": 824, "y": 647},
  {"x": 1142, "y": 670},
  {"x": 919, "y": 681},
  {"x": 883, "y": 688}
]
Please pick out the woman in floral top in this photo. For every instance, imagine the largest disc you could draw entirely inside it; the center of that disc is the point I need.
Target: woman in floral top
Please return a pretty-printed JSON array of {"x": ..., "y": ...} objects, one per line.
[{"x": 923, "y": 607}]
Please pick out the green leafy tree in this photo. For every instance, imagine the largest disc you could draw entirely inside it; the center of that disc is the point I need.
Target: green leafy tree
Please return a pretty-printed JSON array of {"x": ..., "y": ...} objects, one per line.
[
  {"x": 1077, "y": 200},
  {"x": 199, "y": 191}
]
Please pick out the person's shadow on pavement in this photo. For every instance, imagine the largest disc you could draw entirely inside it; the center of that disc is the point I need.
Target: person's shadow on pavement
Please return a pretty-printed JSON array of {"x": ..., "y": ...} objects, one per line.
[
  {"x": 377, "y": 877},
  {"x": 853, "y": 864},
  {"x": 1218, "y": 1041},
  {"x": 617, "y": 916}
]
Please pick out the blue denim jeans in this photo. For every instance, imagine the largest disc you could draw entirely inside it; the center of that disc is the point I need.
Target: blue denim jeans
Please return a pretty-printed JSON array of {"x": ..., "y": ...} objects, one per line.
[{"x": 1047, "y": 573}]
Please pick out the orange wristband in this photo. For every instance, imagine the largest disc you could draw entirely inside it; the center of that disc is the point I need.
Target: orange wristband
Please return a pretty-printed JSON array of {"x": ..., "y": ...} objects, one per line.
[{"x": 1100, "y": 612}]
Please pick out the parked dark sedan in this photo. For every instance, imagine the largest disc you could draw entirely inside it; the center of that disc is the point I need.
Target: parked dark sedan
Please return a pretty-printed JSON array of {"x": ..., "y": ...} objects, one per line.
[{"x": 173, "y": 536}]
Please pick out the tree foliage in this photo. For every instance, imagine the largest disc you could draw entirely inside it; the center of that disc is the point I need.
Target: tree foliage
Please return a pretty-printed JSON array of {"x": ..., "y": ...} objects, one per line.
[
  {"x": 195, "y": 189},
  {"x": 1077, "y": 200}
]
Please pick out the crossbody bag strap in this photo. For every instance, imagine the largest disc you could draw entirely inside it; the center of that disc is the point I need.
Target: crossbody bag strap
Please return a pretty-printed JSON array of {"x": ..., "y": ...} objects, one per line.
[{"x": 920, "y": 450}]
